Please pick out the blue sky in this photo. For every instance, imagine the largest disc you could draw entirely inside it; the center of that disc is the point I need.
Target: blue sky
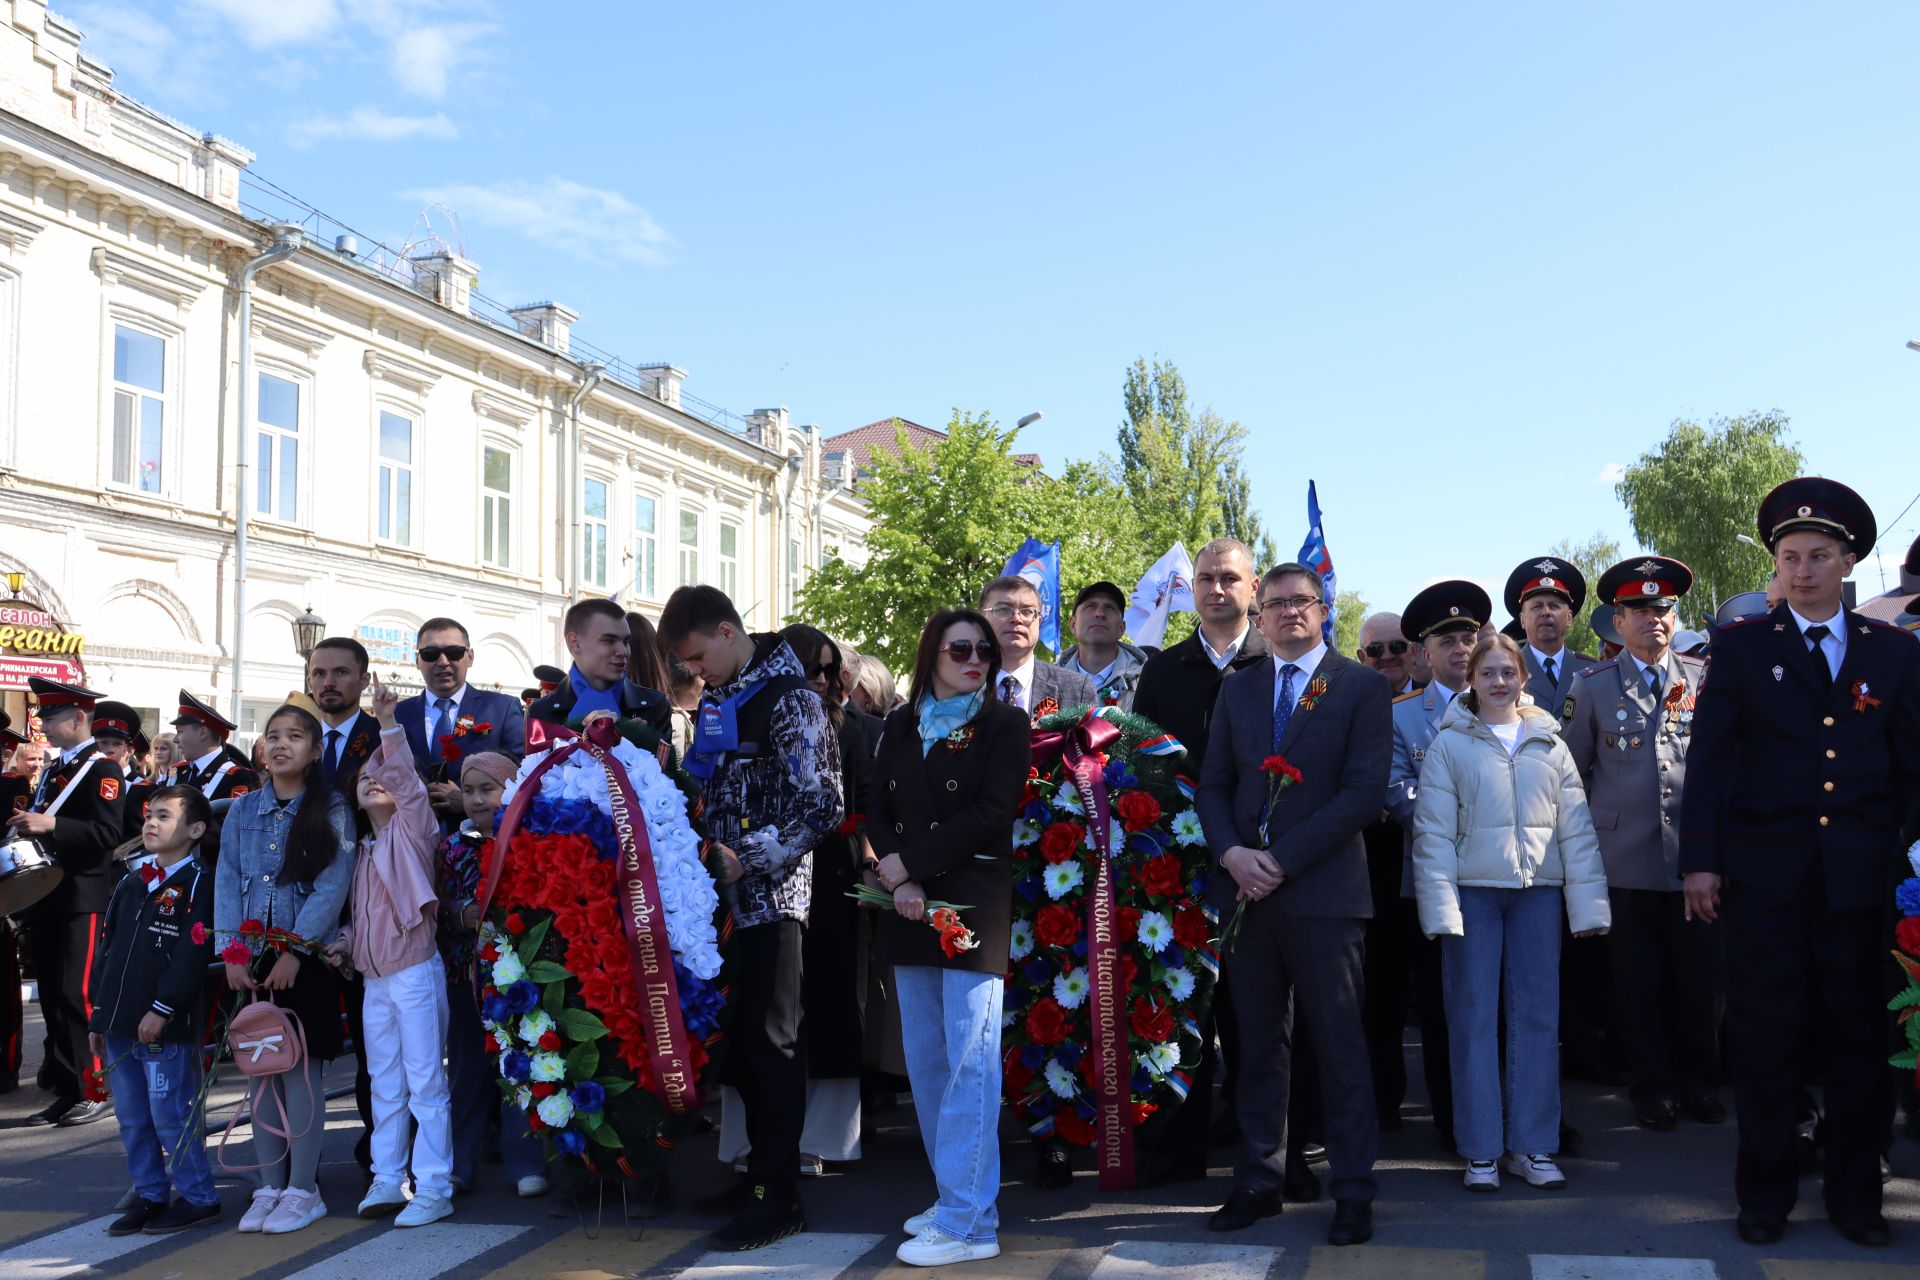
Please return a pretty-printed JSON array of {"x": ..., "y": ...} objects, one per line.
[{"x": 1458, "y": 263}]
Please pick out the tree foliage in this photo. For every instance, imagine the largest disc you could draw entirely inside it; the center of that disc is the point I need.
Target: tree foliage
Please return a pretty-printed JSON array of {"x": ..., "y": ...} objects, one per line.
[
  {"x": 1181, "y": 468},
  {"x": 1592, "y": 558},
  {"x": 1692, "y": 497},
  {"x": 1349, "y": 611}
]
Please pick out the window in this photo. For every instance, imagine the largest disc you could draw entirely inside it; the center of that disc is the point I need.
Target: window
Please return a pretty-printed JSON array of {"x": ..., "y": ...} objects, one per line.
[
  {"x": 793, "y": 570},
  {"x": 277, "y": 464},
  {"x": 645, "y": 546},
  {"x": 496, "y": 507},
  {"x": 689, "y": 548},
  {"x": 593, "y": 532},
  {"x": 139, "y": 408},
  {"x": 393, "y": 486},
  {"x": 730, "y": 559}
]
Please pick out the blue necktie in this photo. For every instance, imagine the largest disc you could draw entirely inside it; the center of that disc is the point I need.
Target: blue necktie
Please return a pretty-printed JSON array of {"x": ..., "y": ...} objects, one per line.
[
  {"x": 443, "y": 724},
  {"x": 1283, "y": 708}
]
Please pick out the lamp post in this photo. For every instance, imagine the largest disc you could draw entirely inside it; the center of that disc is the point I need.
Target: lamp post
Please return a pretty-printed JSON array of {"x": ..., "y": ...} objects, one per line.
[{"x": 308, "y": 628}]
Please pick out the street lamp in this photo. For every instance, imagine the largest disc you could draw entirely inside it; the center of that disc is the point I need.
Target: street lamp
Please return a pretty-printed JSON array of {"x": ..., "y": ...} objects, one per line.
[
  {"x": 307, "y": 630},
  {"x": 15, "y": 581},
  {"x": 1031, "y": 418}
]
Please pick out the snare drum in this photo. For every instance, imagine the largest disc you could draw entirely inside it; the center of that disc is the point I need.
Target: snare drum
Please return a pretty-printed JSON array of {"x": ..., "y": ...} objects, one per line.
[{"x": 27, "y": 874}]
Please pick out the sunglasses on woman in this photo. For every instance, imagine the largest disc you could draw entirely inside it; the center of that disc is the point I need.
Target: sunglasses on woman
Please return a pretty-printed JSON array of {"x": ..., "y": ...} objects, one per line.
[
  {"x": 963, "y": 650},
  {"x": 1381, "y": 648}
]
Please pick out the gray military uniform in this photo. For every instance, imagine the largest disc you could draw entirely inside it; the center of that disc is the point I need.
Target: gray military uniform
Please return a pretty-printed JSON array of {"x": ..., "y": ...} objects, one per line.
[{"x": 1551, "y": 695}]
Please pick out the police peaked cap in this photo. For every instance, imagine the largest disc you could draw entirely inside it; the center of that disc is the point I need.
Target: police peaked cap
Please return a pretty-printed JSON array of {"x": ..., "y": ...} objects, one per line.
[
  {"x": 1645, "y": 580},
  {"x": 1821, "y": 505},
  {"x": 1455, "y": 602},
  {"x": 1545, "y": 573}
]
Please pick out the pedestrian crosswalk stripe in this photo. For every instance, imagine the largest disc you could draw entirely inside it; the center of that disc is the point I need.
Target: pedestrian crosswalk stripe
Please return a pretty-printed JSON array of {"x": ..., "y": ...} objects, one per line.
[
  {"x": 222, "y": 1251},
  {"x": 1573, "y": 1266},
  {"x": 1383, "y": 1262},
  {"x": 1021, "y": 1258},
  {"x": 18, "y": 1224},
  {"x": 1163, "y": 1260},
  {"x": 807, "y": 1256},
  {"x": 68, "y": 1252},
  {"x": 1795, "y": 1269},
  {"x": 613, "y": 1255},
  {"x": 419, "y": 1253}
]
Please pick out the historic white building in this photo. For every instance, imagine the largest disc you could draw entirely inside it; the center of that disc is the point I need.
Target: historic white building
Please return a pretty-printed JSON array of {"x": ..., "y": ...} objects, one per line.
[{"x": 403, "y": 452}]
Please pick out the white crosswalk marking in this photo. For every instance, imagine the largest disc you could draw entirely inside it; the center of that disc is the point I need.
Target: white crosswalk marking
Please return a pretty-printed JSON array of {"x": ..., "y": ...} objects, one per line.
[
  {"x": 418, "y": 1253},
  {"x": 1159, "y": 1260},
  {"x": 1571, "y": 1266},
  {"x": 69, "y": 1252},
  {"x": 807, "y": 1256}
]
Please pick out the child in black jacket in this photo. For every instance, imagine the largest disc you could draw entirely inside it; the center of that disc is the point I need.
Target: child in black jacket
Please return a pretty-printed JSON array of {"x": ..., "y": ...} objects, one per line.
[{"x": 148, "y": 1016}]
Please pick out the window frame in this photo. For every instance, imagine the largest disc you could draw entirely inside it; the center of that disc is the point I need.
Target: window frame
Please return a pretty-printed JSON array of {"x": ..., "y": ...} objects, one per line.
[
  {"x": 646, "y": 547},
  {"x": 170, "y": 397},
  {"x": 604, "y": 523},
  {"x": 509, "y": 536},
  {"x": 384, "y": 408},
  {"x": 729, "y": 565},
  {"x": 302, "y": 381},
  {"x": 683, "y": 548}
]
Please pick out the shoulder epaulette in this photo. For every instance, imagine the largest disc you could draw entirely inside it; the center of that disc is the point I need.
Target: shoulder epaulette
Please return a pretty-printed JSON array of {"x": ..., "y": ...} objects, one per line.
[
  {"x": 1882, "y": 623},
  {"x": 1746, "y": 622},
  {"x": 1596, "y": 669},
  {"x": 1411, "y": 693}
]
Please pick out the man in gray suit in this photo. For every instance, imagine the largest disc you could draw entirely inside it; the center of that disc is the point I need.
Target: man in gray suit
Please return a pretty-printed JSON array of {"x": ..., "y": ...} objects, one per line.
[
  {"x": 1295, "y": 858},
  {"x": 1037, "y": 688},
  {"x": 1632, "y": 721}
]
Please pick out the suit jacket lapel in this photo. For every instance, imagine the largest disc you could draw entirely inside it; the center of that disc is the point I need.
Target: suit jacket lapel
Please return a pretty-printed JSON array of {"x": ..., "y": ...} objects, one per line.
[
  {"x": 1260, "y": 722},
  {"x": 1329, "y": 671},
  {"x": 1634, "y": 685}
]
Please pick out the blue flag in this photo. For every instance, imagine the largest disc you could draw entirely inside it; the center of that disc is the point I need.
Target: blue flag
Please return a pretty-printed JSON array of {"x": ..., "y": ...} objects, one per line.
[
  {"x": 1313, "y": 554},
  {"x": 1039, "y": 563}
]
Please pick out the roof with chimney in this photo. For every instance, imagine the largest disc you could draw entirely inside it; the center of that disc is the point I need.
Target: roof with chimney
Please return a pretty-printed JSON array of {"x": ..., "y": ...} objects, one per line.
[{"x": 862, "y": 441}]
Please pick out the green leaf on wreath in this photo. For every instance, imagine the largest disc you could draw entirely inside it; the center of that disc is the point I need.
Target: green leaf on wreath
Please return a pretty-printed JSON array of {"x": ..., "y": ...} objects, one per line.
[
  {"x": 583, "y": 1060},
  {"x": 590, "y": 1119},
  {"x": 528, "y": 944},
  {"x": 1909, "y": 1060},
  {"x": 613, "y": 1084},
  {"x": 553, "y": 998},
  {"x": 606, "y": 1137},
  {"x": 546, "y": 971},
  {"x": 578, "y": 1024}
]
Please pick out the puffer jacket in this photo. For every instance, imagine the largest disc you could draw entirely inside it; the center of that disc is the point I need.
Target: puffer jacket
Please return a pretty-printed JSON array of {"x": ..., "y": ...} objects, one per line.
[{"x": 1486, "y": 819}]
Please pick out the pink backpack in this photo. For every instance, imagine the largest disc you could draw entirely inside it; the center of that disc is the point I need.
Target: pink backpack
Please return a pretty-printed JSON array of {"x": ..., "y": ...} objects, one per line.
[{"x": 266, "y": 1041}]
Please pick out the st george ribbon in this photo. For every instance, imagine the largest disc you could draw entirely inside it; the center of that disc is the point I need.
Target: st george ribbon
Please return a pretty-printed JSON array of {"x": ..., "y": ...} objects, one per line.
[
  {"x": 641, "y": 911},
  {"x": 1080, "y": 749}
]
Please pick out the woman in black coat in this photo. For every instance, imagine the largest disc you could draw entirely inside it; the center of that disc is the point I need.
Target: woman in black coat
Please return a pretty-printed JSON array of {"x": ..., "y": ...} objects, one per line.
[{"x": 946, "y": 789}]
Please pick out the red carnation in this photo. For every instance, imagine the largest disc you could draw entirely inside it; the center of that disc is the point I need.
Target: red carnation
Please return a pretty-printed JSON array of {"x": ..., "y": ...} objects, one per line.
[
  {"x": 449, "y": 749},
  {"x": 550, "y": 1041},
  {"x": 1129, "y": 972},
  {"x": 1151, "y": 1022},
  {"x": 852, "y": 824},
  {"x": 1278, "y": 767},
  {"x": 485, "y": 726},
  {"x": 1141, "y": 1110},
  {"x": 1068, "y": 1124},
  {"x": 1190, "y": 927},
  {"x": 493, "y": 1046},
  {"x": 534, "y": 1122},
  {"x": 1161, "y": 877},
  {"x": 1057, "y": 926},
  {"x": 252, "y": 929},
  {"x": 1907, "y": 934},
  {"x": 1137, "y": 810},
  {"x": 1061, "y": 840},
  {"x": 490, "y": 953},
  {"x": 1129, "y": 927},
  {"x": 1047, "y": 1021},
  {"x": 515, "y": 925},
  {"x": 544, "y": 1089}
]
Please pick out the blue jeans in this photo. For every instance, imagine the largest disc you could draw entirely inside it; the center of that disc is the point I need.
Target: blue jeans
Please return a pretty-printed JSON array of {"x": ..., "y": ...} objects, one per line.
[
  {"x": 950, "y": 1029},
  {"x": 155, "y": 1087},
  {"x": 1510, "y": 934}
]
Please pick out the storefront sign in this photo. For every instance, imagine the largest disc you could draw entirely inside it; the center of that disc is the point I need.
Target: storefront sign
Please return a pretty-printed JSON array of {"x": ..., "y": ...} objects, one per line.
[
  {"x": 387, "y": 644},
  {"x": 32, "y": 643}
]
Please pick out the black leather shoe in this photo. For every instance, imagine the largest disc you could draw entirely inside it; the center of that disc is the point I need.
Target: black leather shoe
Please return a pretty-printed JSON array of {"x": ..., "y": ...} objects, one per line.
[
  {"x": 1704, "y": 1108},
  {"x": 1657, "y": 1114},
  {"x": 1052, "y": 1167},
  {"x": 53, "y": 1111},
  {"x": 1756, "y": 1226},
  {"x": 1869, "y": 1229},
  {"x": 1302, "y": 1186},
  {"x": 136, "y": 1218},
  {"x": 183, "y": 1215},
  {"x": 86, "y": 1112},
  {"x": 1352, "y": 1222},
  {"x": 1243, "y": 1209}
]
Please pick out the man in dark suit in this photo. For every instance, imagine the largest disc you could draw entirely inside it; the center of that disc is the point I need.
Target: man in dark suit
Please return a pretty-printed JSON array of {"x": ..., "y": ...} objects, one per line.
[
  {"x": 1296, "y": 858},
  {"x": 16, "y": 793},
  {"x": 450, "y": 720},
  {"x": 76, "y": 815},
  {"x": 596, "y": 634},
  {"x": 1806, "y": 750},
  {"x": 1037, "y": 688},
  {"x": 337, "y": 675}
]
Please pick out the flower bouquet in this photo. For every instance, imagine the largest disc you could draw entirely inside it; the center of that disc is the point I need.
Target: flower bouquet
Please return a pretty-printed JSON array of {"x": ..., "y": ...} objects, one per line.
[
  {"x": 599, "y": 958},
  {"x": 955, "y": 937},
  {"x": 1146, "y": 906},
  {"x": 1907, "y": 935}
]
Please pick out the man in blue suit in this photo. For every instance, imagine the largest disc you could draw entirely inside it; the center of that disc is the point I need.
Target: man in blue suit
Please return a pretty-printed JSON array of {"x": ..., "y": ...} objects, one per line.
[
  {"x": 450, "y": 720},
  {"x": 1300, "y": 866}
]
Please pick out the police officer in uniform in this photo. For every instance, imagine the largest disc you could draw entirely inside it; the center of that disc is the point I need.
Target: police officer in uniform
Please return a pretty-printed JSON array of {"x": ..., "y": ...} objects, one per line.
[
  {"x": 1806, "y": 751},
  {"x": 1630, "y": 727},
  {"x": 208, "y": 761},
  {"x": 15, "y": 796},
  {"x": 76, "y": 815}
]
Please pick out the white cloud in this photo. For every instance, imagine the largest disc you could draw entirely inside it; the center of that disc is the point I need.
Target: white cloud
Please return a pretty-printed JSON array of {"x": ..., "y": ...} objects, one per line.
[
  {"x": 371, "y": 124},
  {"x": 590, "y": 223},
  {"x": 1610, "y": 474},
  {"x": 425, "y": 58},
  {"x": 265, "y": 24}
]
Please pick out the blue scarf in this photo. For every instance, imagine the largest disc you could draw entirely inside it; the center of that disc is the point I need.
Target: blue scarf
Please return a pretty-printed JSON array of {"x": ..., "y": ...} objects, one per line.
[
  {"x": 588, "y": 699},
  {"x": 939, "y": 717}
]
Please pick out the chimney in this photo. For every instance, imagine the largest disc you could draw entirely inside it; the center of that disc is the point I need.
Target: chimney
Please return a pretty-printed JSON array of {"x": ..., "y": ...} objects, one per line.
[
  {"x": 768, "y": 428},
  {"x": 838, "y": 468},
  {"x": 546, "y": 322},
  {"x": 666, "y": 382},
  {"x": 447, "y": 278}
]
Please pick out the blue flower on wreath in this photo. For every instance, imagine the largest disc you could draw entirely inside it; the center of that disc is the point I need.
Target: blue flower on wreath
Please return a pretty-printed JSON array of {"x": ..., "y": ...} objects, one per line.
[
  {"x": 1080, "y": 947},
  {"x": 1118, "y": 775},
  {"x": 701, "y": 1003},
  {"x": 1142, "y": 1080},
  {"x": 1907, "y": 896},
  {"x": 1039, "y": 813},
  {"x": 1029, "y": 887},
  {"x": 522, "y": 997},
  {"x": 496, "y": 1009},
  {"x": 1068, "y": 1055},
  {"x": 516, "y": 1066},
  {"x": 1084, "y": 1107},
  {"x": 1033, "y": 1057},
  {"x": 588, "y": 1096},
  {"x": 570, "y": 1141},
  {"x": 1038, "y": 970}
]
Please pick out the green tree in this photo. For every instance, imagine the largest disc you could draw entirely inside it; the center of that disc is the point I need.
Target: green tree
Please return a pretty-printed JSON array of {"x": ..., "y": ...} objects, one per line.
[
  {"x": 1693, "y": 496},
  {"x": 1239, "y": 520},
  {"x": 1349, "y": 611},
  {"x": 1592, "y": 558},
  {"x": 1157, "y": 392}
]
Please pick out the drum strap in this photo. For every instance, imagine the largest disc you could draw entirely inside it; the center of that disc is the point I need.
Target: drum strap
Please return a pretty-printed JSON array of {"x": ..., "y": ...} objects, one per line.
[
  {"x": 85, "y": 767},
  {"x": 213, "y": 784}
]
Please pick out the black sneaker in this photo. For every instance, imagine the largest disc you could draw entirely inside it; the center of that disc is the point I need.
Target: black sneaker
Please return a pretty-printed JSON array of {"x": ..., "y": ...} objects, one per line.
[
  {"x": 135, "y": 1219},
  {"x": 734, "y": 1199},
  {"x": 181, "y": 1215},
  {"x": 86, "y": 1112},
  {"x": 772, "y": 1213}
]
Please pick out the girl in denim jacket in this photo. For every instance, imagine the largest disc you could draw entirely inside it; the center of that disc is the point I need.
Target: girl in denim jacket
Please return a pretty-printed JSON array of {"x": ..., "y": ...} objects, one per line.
[{"x": 286, "y": 860}]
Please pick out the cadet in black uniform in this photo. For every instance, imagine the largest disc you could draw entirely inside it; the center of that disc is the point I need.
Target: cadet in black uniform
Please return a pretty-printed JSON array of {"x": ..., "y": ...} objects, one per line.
[
  {"x": 1806, "y": 749},
  {"x": 208, "y": 762},
  {"x": 76, "y": 814},
  {"x": 15, "y": 795}
]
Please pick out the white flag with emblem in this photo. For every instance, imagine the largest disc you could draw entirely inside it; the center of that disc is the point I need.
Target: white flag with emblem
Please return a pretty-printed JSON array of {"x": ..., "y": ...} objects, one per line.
[{"x": 1164, "y": 589}]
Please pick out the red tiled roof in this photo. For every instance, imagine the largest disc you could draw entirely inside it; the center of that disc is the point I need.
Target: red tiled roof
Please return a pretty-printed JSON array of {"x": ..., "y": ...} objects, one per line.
[{"x": 861, "y": 441}]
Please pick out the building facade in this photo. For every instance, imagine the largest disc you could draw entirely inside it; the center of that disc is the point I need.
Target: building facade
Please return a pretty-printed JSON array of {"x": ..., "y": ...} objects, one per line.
[{"x": 403, "y": 452}]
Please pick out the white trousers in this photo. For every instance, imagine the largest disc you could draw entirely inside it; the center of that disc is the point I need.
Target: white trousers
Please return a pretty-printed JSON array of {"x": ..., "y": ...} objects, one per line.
[{"x": 405, "y": 1023}]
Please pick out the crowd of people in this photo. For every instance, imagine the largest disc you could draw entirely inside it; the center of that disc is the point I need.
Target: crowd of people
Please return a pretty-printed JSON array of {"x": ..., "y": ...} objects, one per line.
[{"x": 1544, "y": 859}]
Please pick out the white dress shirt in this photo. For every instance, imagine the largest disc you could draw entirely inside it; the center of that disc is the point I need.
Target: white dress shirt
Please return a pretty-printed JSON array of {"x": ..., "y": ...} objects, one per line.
[
  {"x": 1304, "y": 666},
  {"x": 1834, "y": 647},
  {"x": 1023, "y": 677},
  {"x": 1222, "y": 658},
  {"x": 432, "y": 707},
  {"x": 1559, "y": 661}
]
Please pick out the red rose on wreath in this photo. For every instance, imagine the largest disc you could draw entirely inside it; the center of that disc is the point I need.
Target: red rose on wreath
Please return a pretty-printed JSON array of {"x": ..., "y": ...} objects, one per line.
[
  {"x": 1057, "y": 926},
  {"x": 515, "y": 925},
  {"x": 1061, "y": 841},
  {"x": 549, "y": 1042},
  {"x": 1907, "y": 934},
  {"x": 1161, "y": 877},
  {"x": 1047, "y": 1021},
  {"x": 1190, "y": 928},
  {"x": 1017, "y": 1075},
  {"x": 1129, "y": 971},
  {"x": 1152, "y": 1021},
  {"x": 544, "y": 1089},
  {"x": 1129, "y": 927},
  {"x": 1137, "y": 810},
  {"x": 1068, "y": 1124}
]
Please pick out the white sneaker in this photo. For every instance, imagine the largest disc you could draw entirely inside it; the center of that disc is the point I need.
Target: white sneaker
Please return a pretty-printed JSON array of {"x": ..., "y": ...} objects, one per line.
[
  {"x": 424, "y": 1208},
  {"x": 1482, "y": 1175},
  {"x": 812, "y": 1166},
  {"x": 385, "y": 1196},
  {"x": 920, "y": 1221},
  {"x": 530, "y": 1187},
  {"x": 296, "y": 1209},
  {"x": 259, "y": 1208},
  {"x": 1538, "y": 1170},
  {"x": 935, "y": 1248}
]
